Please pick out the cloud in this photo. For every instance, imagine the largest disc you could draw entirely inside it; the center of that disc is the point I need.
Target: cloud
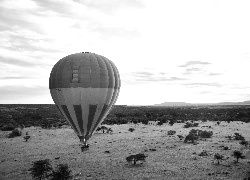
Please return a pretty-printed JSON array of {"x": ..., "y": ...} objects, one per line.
[
  {"x": 109, "y": 31},
  {"x": 193, "y": 70},
  {"x": 14, "y": 77},
  {"x": 214, "y": 74},
  {"x": 144, "y": 76},
  {"x": 17, "y": 62},
  {"x": 193, "y": 63},
  {"x": 14, "y": 91},
  {"x": 203, "y": 84},
  {"x": 109, "y": 6}
]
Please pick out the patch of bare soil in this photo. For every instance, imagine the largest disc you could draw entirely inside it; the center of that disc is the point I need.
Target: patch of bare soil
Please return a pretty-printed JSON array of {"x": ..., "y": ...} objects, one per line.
[{"x": 168, "y": 157}]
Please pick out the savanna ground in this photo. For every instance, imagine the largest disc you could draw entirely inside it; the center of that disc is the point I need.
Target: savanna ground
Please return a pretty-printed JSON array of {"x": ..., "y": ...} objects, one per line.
[{"x": 168, "y": 156}]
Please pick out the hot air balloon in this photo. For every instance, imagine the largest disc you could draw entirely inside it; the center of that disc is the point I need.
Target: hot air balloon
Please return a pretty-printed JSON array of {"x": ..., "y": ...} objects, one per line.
[{"x": 84, "y": 87}]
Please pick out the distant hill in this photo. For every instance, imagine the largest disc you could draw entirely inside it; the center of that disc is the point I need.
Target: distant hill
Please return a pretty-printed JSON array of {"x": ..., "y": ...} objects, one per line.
[
  {"x": 174, "y": 104},
  {"x": 202, "y": 104}
]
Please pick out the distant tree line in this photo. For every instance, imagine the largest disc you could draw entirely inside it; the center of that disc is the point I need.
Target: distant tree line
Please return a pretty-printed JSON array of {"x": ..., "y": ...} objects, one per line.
[{"x": 48, "y": 116}]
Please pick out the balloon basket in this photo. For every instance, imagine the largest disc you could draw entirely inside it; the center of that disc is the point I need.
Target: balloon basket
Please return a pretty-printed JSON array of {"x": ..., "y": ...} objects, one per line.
[{"x": 84, "y": 147}]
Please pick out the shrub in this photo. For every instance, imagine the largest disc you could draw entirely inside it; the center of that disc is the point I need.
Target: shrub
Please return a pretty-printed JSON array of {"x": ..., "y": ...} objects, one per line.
[
  {"x": 238, "y": 155},
  {"x": 180, "y": 137},
  {"x": 136, "y": 157},
  {"x": 159, "y": 123},
  {"x": 238, "y": 136},
  {"x": 191, "y": 137},
  {"x": 206, "y": 134},
  {"x": 131, "y": 129},
  {"x": 62, "y": 172},
  {"x": 204, "y": 153},
  {"x": 41, "y": 169},
  {"x": 26, "y": 138},
  {"x": 8, "y": 127},
  {"x": 244, "y": 143},
  {"x": 188, "y": 125},
  {"x": 16, "y": 132},
  {"x": 171, "y": 132}
]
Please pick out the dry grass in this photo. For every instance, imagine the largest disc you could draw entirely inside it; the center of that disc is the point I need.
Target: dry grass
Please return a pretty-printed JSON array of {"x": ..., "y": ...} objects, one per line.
[{"x": 172, "y": 159}]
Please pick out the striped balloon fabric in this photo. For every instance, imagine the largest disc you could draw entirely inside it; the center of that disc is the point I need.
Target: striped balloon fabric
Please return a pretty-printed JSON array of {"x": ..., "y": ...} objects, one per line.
[{"x": 84, "y": 86}]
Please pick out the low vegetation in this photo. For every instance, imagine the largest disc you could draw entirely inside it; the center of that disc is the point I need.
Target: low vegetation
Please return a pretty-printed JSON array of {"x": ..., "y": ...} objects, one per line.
[
  {"x": 15, "y": 133},
  {"x": 136, "y": 157},
  {"x": 42, "y": 169}
]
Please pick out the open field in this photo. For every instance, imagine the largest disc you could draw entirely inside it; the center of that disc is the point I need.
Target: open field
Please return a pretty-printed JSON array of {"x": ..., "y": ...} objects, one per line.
[{"x": 172, "y": 158}]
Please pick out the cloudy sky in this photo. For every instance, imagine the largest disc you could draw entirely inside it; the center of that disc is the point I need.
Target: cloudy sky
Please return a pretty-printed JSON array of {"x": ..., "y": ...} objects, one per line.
[{"x": 166, "y": 51}]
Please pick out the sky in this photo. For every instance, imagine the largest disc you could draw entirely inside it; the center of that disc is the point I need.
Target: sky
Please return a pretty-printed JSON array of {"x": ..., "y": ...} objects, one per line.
[{"x": 195, "y": 51}]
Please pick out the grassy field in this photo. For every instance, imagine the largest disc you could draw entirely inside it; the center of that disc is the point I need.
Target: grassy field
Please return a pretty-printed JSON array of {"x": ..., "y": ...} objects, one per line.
[{"x": 172, "y": 158}]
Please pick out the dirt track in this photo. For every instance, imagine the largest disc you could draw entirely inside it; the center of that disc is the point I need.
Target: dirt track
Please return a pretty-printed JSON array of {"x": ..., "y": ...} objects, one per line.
[{"x": 172, "y": 159}]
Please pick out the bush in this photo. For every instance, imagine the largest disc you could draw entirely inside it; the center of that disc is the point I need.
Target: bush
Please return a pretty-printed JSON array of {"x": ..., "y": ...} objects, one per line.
[
  {"x": 191, "y": 137},
  {"x": 62, "y": 172},
  {"x": 8, "y": 127},
  {"x": 171, "y": 132},
  {"x": 206, "y": 134},
  {"x": 180, "y": 137},
  {"x": 136, "y": 157},
  {"x": 159, "y": 123},
  {"x": 41, "y": 169},
  {"x": 131, "y": 129},
  {"x": 238, "y": 136},
  {"x": 188, "y": 125},
  {"x": 16, "y": 132}
]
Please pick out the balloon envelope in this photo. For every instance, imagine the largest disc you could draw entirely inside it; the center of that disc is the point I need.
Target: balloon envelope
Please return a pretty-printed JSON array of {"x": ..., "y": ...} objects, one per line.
[{"x": 84, "y": 86}]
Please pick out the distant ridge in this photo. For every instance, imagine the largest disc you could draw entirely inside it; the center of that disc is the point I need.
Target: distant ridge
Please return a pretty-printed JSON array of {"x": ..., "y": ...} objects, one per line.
[{"x": 202, "y": 104}]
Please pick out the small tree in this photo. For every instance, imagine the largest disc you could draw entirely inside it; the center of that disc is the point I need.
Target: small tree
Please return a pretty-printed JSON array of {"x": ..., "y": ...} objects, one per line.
[
  {"x": 41, "y": 169},
  {"x": 238, "y": 155},
  {"x": 218, "y": 157},
  {"x": 62, "y": 172},
  {"x": 136, "y": 157}
]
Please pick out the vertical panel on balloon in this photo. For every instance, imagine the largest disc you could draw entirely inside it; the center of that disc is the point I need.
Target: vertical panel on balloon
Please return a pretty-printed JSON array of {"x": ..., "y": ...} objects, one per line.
[
  {"x": 105, "y": 108},
  {"x": 110, "y": 73},
  {"x": 66, "y": 112},
  {"x": 95, "y": 72},
  {"x": 92, "y": 111},
  {"x": 102, "y": 115},
  {"x": 84, "y": 73},
  {"x": 78, "y": 112},
  {"x": 103, "y": 92},
  {"x": 85, "y": 101},
  {"x": 104, "y": 78},
  {"x": 67, "y": 92}
]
